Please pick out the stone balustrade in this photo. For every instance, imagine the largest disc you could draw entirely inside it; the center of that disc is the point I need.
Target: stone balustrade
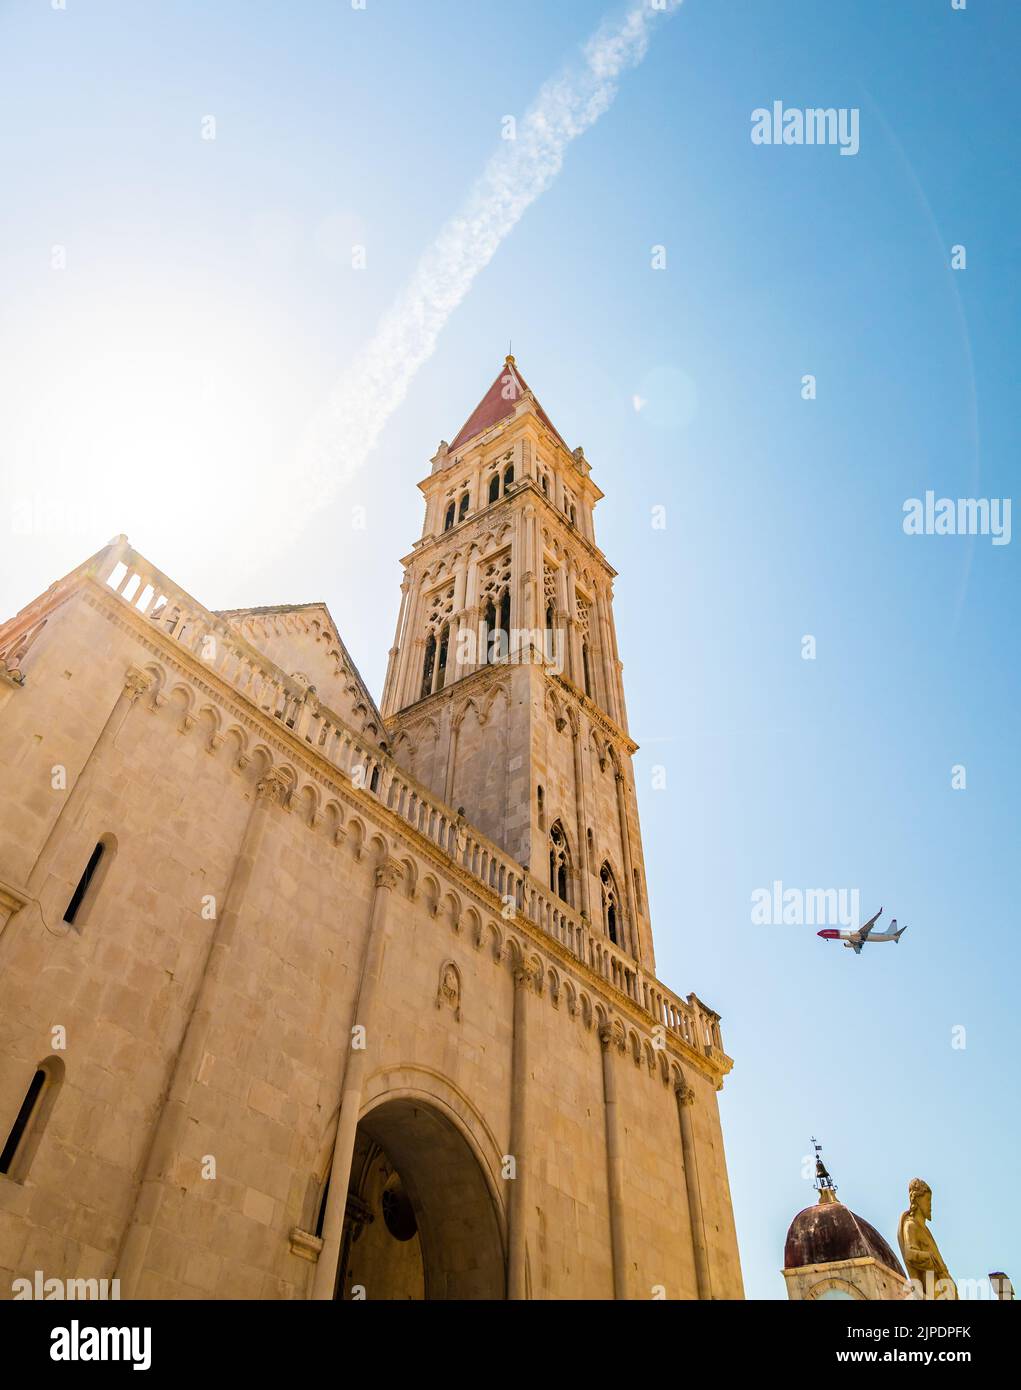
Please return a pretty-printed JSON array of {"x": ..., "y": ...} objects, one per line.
[{"x": 181, "y": 619}]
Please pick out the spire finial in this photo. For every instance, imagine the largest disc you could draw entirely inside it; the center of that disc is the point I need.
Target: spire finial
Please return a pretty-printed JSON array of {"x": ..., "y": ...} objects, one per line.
[
  {"x": 824, "y": 1184},
  {"x": 510, "y": 352}
]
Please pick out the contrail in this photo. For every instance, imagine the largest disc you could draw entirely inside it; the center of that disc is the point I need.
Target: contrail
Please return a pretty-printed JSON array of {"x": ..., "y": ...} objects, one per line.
[{"x": 344, "y": 432}]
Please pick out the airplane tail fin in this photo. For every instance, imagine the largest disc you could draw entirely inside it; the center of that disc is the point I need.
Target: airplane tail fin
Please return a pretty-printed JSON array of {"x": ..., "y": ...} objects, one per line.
[{"x": 897, "y": 935}]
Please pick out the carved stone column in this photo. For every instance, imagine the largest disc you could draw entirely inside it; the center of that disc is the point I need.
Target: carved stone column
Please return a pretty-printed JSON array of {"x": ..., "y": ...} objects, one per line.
[
  {"x": 388, "y": 875},
  {"x": 453, "y": 728},
  {"x": 606, "y": 666},
  {"x": 406, "y": 689},
  {"x": 395, "y": 650},
  {"x": 517, "y": 1213},
  {"x": 614, "y": 1165},
  {"x": 629, "y": 868},
  {"x": 685, "y": 1101},
  {"x": 582, "y": 821},
  {"x": 273, "y": 790},
  {"x": 519, "y": 568},
  {"x": 533, "y": 565},
  {"x": 458, "y": 621},
  {"x": 577, "y": 669}
]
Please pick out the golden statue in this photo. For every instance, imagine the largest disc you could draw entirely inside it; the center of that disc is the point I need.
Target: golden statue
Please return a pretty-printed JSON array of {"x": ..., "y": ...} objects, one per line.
[{"x": 918, "y": 1248}]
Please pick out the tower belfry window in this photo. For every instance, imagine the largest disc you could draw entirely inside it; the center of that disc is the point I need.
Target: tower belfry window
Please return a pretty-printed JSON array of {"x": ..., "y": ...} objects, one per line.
[
  {"x": 427, "y": 669},
  {"x": 448, "y": 520},
  {"x": 462, "y": 510},
  {"x": 508, "y": 476},
  {"x": 442, "y": 662},
  {"x": 494, "y": 487},
  {"x": 611, "y": 905},
  {"x": 559, "y": 862}
]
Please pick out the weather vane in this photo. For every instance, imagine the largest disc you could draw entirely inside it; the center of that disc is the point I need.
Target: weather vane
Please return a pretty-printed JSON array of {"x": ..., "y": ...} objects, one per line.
[{"x": 823, "y": 1181}]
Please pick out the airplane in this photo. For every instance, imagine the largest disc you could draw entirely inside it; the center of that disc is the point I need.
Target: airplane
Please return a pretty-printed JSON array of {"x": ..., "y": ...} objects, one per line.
[{"x": 857, "y": 939}]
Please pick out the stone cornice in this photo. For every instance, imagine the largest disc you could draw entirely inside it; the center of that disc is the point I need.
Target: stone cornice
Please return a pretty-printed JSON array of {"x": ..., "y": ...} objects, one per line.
[
  {"x": 491, "y": 674},
  {"x": 595, "y": 712},
  {"x": 480, "y": 678}
]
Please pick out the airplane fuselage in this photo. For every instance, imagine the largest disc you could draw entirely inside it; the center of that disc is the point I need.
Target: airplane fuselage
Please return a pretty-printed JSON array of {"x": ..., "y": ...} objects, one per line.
[{"x": 854, "y": 938}]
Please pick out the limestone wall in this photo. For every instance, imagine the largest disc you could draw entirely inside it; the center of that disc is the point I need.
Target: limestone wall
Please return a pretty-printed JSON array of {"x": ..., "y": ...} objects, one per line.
[{"x": 175, "y": 782}]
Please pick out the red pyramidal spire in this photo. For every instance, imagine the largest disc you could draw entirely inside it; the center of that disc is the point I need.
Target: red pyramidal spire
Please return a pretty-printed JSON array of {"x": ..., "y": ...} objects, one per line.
[{"x": 499, "y": 402}]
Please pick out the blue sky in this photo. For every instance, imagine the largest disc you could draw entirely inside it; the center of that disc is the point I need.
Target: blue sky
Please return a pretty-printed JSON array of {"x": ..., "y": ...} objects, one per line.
[{"x": 158, "y": 384}]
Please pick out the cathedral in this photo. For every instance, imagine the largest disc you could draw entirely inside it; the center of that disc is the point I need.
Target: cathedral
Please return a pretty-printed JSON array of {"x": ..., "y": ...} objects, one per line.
[{"x": 303, "y": 996}]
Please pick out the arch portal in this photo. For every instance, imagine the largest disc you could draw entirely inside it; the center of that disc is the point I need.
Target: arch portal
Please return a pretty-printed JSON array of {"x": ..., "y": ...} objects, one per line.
[{"x": 421, "y": 1220}]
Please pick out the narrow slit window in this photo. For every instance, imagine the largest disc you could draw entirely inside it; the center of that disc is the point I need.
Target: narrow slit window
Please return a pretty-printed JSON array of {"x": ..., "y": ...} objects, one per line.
[
  {"x": 22, "y": 1122},
  {"x": 27, "y": 1130},
  {"x": 78, "y": 897},
  {"x": 321, "y": 1218}
]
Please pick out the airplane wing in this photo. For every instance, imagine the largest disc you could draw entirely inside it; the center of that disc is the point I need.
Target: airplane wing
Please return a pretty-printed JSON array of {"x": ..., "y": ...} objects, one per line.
[
  {"x": 864, "y": 931},
  {"x": 857, "y": 948}
]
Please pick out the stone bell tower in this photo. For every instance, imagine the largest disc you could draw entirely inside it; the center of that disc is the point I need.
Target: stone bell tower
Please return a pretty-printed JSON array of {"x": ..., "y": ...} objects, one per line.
[{"x": 503, "y": 692}]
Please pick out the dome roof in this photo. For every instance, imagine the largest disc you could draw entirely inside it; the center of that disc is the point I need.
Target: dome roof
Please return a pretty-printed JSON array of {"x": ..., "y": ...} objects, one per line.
[{"x": 828, "y": 1232}]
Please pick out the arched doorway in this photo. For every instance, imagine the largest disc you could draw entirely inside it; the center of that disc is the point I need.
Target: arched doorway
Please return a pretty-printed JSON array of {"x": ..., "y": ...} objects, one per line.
[{"x": 421, "y": 1220}]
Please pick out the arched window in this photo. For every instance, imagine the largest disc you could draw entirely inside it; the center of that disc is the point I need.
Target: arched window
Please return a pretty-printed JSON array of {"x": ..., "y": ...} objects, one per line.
[
  {"x": 374, "y": 779},
  {"x": 574, "y": 515},
  {"x": 448, "y": 520},
  {"x": 88, "y": 885},
  {"x": 442, "y": 664},
  {"x": 494, "y": 487},
  {"x": 430, "y": 661},
  {"x": 27, "y": 1130},
  {"x": 545, "y": 484},
  {"x": 559, "y": 862},
  {"x": 508, "y": 476},
  {"x": 462, "y": 510},
  {"x": 611, "y": 904},
  {"x": 540, "y": 799}
]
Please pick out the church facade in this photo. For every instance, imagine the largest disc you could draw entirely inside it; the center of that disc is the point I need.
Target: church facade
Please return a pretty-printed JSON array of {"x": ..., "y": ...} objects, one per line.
[{"x": 302, "y": 997}]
